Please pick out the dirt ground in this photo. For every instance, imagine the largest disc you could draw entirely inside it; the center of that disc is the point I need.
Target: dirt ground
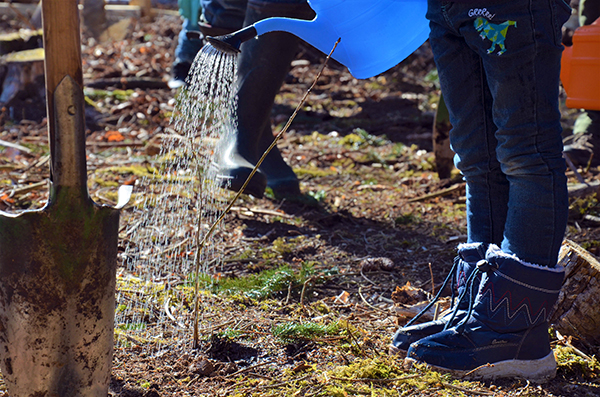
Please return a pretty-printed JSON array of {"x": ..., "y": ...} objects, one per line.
[{"x": 302, "y": 304}]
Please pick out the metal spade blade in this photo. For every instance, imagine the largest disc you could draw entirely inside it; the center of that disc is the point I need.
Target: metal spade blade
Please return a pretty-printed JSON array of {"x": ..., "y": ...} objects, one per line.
[{"x": 58, "y": 264}]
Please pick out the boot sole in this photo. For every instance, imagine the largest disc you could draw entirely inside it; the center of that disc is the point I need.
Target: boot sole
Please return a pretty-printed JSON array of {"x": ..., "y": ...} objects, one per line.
[
  {"x": 286, "y": 189},
  {"x": 537, "y": 371}
]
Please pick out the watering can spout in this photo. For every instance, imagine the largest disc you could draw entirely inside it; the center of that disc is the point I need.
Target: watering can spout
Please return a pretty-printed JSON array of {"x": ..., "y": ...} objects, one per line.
[
  {"x": 375, "y": 35},
  {"x": 231, "y": 43}
]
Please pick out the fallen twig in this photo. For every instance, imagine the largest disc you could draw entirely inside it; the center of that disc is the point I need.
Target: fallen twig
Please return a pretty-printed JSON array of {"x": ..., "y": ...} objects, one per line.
[
  {"x": 566, "y": 341},
  {"x": 128, "y": 83},
  {"x": 195, "y": 378},
  {"x": 573, "y": 168},
  {"x": 313, "y": 278},
  {"x": 114, "y": 144},
  {"x": 289, "y": 293},
  {"x": 374, "y": 380},
  {"x": 15, "y": 146},
  {"x": 285, "y": 383},
  {"x": 28, "y": 188},
  {"x": 310, "y": 279},
  {"x": 216, "y": 327},
  {"x": 584, "y": 189},
  {"x": 353, "y": 339},
  {"x": 241, "y": 371},
  {"x": 354, "y": 391},
  {"x": 174, "y": 247},
  {"x": 262, "y": 211},
  {"x": 477, "y": 369},
  {"x": 439, "y": 193},
  {"x": 370, "y": 305},
  {"x": 467, "y": 391},
  {"x": 366, "y": 278},
  {"x": 22, "y": 17}
]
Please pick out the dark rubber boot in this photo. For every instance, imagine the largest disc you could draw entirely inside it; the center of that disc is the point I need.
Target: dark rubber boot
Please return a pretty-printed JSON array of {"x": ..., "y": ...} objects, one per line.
[{"x": 263, "y": 65}]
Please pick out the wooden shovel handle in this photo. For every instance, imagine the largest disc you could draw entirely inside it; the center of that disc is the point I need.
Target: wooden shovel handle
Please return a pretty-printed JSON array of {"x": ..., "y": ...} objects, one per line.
[{"x": 62, "y": 45}]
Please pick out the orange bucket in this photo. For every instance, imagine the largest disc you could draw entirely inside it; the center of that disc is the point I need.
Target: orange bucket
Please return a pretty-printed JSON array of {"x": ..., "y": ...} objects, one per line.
[{"x": 580, "y": 69}]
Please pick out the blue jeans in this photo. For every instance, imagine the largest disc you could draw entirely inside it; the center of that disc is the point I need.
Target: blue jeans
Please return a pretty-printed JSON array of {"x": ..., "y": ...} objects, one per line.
[
  {"x": 187, "y": 48},
  {"x": 499, "y": 72},
  {"x": 231, "y": 13}
]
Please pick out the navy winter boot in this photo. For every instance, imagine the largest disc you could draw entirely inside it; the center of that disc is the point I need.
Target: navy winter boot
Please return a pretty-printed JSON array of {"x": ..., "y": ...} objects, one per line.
[
  {"x": 464, "y": 264},
  {"x": 505, "y": 332}
]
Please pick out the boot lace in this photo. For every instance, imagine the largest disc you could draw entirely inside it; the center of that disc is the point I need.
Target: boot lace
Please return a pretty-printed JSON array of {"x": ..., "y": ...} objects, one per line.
[
  {"x": 483, "y": 266},
  {"x": 449, "y": 278}
]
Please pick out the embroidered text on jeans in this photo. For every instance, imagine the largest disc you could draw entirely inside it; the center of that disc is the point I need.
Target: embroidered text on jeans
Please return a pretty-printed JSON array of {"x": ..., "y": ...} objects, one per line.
[{"x": 481, "y": 12}]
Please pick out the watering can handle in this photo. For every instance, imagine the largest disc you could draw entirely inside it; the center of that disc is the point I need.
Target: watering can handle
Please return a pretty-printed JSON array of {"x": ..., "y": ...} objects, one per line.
[{"x": 65, "y": 107}]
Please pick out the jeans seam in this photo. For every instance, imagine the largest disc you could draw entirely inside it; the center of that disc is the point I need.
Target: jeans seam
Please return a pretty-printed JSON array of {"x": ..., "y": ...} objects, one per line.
[
  {"x": 551, "y": 247},
  {"x": 447, "y": 18},
  {"x": 490, "y": 237}
]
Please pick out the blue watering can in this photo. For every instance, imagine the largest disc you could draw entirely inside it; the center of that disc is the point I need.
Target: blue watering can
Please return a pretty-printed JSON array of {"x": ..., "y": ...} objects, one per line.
[{"x": 375, "y": 35}]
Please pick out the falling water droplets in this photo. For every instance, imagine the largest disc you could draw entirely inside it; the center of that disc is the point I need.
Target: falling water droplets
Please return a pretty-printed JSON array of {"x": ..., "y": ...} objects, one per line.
[{"x": 182, "y": 199}]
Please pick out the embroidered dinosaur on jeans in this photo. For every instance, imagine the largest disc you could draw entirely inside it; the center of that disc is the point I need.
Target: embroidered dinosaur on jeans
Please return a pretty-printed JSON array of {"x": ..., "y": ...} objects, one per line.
[{"x": 496, "y": 33}]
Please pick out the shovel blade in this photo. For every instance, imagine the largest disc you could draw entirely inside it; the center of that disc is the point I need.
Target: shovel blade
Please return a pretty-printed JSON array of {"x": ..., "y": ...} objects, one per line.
[{"x": 57, "y": 300}]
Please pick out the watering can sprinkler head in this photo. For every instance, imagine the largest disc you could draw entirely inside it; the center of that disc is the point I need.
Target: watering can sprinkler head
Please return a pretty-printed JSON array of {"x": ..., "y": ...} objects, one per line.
[{"x": 231, "y": 43}]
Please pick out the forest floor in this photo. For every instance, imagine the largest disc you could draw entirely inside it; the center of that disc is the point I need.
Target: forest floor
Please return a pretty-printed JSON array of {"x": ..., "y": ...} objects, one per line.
[{"x": 302, "y": 303}]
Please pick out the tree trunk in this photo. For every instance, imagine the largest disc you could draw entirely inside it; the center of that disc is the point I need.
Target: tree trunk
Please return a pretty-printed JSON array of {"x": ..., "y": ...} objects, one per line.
[
  {"x": 145, "y": 6},
  {"x": 575, "y": 313},
  {"x": 94, "y": 17}
]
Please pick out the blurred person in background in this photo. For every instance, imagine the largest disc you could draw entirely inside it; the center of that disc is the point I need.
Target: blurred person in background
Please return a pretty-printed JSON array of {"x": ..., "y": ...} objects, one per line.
[{"x": 263, "y": 64}]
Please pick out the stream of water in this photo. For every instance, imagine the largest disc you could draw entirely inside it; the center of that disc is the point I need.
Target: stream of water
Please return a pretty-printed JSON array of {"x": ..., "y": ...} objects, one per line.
[{"x": 182, "y": 199}]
